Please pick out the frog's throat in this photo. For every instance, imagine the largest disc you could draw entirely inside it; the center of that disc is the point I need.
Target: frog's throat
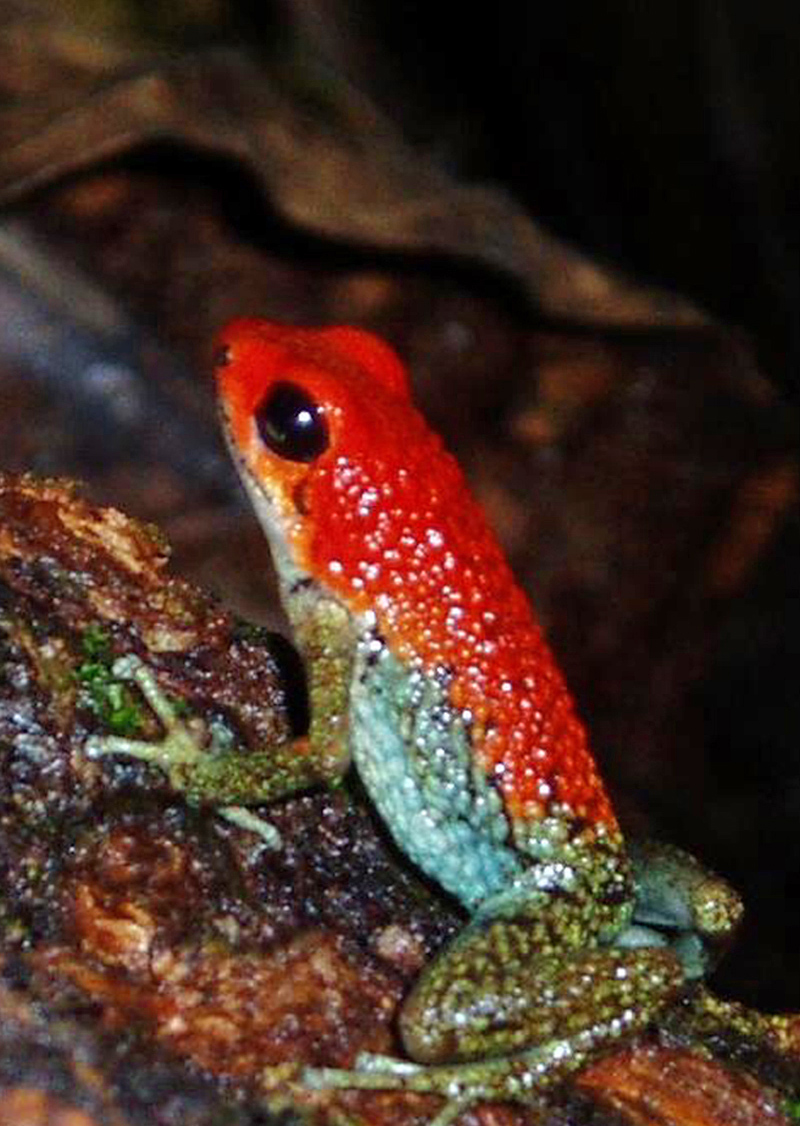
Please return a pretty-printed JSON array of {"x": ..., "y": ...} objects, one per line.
[{"x": 275, "y": 524}]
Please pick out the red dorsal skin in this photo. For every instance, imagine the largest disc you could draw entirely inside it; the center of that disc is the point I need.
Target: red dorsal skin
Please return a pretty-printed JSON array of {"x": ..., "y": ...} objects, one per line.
[{"x": 384, "y": 519}]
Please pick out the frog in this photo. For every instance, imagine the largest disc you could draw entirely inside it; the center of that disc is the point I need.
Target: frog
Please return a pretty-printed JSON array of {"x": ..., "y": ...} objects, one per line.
[{"x": 428, "y": 673}]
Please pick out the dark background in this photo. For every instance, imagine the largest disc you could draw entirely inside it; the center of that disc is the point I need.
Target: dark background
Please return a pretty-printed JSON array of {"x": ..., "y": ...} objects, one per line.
[{"x": 644, "y": 476}]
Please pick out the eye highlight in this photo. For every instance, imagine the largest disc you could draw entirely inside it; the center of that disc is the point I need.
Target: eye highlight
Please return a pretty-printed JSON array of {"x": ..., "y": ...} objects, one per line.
[{"x": 291, "y": 424}]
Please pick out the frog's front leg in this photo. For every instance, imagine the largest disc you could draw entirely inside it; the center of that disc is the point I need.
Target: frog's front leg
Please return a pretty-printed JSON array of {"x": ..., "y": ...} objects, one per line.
[
  {"x": 518, "y": 1002},
  {"x": 230, "y": 778}
]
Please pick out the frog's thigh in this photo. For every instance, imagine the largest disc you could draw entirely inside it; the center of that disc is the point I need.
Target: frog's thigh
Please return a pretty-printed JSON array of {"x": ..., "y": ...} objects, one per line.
[{"x": 502, "y": 986}]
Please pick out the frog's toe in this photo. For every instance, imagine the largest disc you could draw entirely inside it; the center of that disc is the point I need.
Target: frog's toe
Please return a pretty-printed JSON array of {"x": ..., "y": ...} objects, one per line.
[
  {"x": 452, "y": 1110},
  {"x": 278, "y": 1075},
  {"x": 244, "y": 819},
  {"x": 157, "y": 754},
  {"x": 372, "y": 1073},
  {"x": 373, "y": 1061},
  {"x": 175, "y": 755}
]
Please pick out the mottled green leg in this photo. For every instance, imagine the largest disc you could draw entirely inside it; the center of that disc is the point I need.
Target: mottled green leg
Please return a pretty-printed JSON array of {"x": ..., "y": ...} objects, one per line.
[
  {"x": 709, "y": 1016},
  {"x": 232, "y": 779},
  {"x": 512, "y": 1007}
]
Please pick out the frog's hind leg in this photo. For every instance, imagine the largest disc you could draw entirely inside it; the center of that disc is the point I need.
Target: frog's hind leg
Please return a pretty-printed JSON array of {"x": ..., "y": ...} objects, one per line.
[{"x": 493, "y": 1019}]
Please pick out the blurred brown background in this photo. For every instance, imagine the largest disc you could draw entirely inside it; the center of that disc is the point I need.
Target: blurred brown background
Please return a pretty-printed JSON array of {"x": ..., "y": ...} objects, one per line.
[{"x": 577, "y": 223}]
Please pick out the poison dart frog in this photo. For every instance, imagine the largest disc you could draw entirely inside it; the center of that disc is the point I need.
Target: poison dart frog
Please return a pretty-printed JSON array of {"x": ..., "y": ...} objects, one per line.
[{"x": 428, "y": 670}]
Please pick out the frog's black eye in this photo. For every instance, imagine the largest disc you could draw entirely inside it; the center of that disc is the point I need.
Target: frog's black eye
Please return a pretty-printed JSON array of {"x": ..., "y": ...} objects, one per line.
[{"x": 291, "y": 424}]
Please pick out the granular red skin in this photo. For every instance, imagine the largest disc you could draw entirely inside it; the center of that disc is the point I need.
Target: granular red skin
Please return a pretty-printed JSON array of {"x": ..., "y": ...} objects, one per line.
[{"x": 385, "y": 519}]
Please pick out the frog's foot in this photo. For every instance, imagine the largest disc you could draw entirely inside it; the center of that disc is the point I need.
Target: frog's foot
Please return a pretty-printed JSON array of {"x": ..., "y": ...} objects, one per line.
[
  {"x": 179, "y": 747},
  {"x": 180, "y": 753},
  {"x": 521, "y": 1078},
  {"x": 382, "y": 1073},
  {"x": 244, "y": 818}
]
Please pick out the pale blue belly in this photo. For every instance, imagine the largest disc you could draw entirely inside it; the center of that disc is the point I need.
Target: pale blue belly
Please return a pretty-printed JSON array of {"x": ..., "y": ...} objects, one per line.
[{"x": 412, "y": 752}]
